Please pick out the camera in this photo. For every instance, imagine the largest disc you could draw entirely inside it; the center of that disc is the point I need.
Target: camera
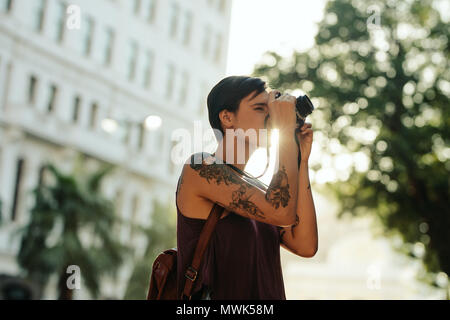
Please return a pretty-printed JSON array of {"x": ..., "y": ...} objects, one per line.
[{"x": 303, "y": 108}]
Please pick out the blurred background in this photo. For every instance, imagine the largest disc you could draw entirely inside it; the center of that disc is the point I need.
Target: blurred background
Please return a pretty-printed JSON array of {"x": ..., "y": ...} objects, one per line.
[{"x": 92, "y": 92}]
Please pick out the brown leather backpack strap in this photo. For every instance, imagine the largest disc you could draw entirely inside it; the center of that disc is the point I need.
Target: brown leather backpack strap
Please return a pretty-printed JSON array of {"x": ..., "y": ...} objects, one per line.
[{"x": 207, "y": 231}]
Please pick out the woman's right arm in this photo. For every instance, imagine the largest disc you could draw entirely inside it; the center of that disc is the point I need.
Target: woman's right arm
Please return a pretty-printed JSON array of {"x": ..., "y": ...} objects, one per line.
[{"x": 223, "y": 185}]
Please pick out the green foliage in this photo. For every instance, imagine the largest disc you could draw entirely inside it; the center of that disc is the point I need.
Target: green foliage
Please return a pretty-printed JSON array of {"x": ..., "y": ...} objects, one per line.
[
  {"x": 395, "y": 81},
  {"x": 161, "y": 235},
  {"x": 70, "y": 224}
]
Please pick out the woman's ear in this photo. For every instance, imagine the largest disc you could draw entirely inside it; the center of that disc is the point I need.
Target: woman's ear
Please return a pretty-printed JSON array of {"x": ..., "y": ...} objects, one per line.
[{"x": 227, "y": 119}]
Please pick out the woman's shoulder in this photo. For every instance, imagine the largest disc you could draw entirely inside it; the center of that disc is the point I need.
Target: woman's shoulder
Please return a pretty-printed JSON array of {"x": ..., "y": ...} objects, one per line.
[
  {"x": 196, "y": 162},
  {"x": 190, "y": 204},
  {"x": 197, "y": 158},
  {"x": 191, "y": 165}
]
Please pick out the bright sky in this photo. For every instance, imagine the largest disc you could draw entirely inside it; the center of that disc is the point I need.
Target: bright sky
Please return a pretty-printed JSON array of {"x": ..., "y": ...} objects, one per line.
[
  {"x": 261, "y": 25},
  {"x": 258, "y": 26}
]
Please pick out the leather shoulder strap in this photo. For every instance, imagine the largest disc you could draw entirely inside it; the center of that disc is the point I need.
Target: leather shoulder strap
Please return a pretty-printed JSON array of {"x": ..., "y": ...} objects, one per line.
[{"x": 207, "y": 231}]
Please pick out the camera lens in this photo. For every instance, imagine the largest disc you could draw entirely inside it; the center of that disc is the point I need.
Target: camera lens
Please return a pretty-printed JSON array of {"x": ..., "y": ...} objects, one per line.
[{"x": 303, "y": 108}]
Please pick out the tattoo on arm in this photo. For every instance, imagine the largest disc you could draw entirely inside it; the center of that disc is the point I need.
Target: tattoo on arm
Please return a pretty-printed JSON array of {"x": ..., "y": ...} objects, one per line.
[
  {"x": 278, "y": 191},
  {"x": 241, "y": 197},
  {"x": 242, "y": 200}
]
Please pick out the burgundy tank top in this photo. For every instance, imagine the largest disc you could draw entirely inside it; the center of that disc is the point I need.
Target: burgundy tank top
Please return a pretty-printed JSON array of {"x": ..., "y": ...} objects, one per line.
[{"x": 242, "y": 260}]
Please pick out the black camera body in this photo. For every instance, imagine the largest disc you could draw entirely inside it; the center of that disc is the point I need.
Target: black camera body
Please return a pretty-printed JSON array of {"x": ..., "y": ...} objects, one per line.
[{"x": 303, "y": 108}]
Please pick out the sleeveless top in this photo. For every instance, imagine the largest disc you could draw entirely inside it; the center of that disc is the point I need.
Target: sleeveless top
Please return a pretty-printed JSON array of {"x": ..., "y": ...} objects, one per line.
[{"x": 242, "y": 260}]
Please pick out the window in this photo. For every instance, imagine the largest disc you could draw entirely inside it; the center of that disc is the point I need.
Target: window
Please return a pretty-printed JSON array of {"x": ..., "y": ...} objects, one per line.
[
  {"x": 118, "y": 200},
  {"x": 132, "y": 59},
  {"x": 137, "y": 7},
  {"x": 202, "y": 98},
  {"x": 150, "y": 11},
  {"x": 147, "y": 70},
  {"x": 206, "y": 41},
  {"x": 41, "y": 179},
  {"x": 218, "y": 48},
  {"x": 94, "y": 115},
  {"x": 76, "y": 109},
  {"x": 184, "y": 87},
  {"x": 17, "y": 188},
  {"x": 58, "y": 25},
  {"x": 134, "y": 208},
  {"x": 118, "y": 205},
  {"x": 87, "y": 29},
  {"x": 170, "y": 80},
  {"x": 126, "y": 128},
  {"x": 32, "y": 90},
  {"x": 134, "y": 213},
  {"x": 109, "y": 46},
  {"x": 51, "y": 98},
  {"x": 38, "y": 14},
  {"x": 172, "y": 165},
  {"x": 106, "y": 41},
  {"x": 222, "y": 5},
  {"x": 141, "y": 136},
  {"x": 174, "y": 12},
  {"x": 187, "y": 28},
  {"x": 5, "y": 5}
]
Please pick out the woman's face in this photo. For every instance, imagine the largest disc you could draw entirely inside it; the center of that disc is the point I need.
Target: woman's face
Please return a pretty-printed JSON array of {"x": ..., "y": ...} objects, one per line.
[{"x": 251, "y": 114}]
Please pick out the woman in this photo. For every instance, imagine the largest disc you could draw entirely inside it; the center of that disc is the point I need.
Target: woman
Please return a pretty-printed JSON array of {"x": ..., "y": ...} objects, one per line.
[{"x": 243, "y": 257}]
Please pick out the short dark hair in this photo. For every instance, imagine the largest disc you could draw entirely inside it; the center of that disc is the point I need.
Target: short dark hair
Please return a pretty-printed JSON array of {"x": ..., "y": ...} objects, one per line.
[{"x": 228, "y": 94}]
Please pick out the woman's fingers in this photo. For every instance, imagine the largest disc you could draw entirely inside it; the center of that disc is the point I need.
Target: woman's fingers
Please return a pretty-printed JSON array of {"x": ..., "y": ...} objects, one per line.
[
  {"x": 305, "y": 126},
  {"x": 273, "y": 94},
  {"x": 307, "y": 131}
]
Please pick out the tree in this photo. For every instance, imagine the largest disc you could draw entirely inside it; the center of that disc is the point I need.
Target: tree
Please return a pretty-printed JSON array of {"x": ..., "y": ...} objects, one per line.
[
  {"x": 70, "y": 225},
  {"x": 379, "y": 74},
  {"x": 161, "y": 235}
]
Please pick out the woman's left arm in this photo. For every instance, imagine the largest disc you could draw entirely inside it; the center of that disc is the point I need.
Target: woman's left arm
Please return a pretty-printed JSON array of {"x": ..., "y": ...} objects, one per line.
[{"x": 302, "y": 238}]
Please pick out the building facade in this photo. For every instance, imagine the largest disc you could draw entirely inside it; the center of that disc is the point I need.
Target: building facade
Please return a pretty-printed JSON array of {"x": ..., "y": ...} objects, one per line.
[{"x": 82, "y": 77}]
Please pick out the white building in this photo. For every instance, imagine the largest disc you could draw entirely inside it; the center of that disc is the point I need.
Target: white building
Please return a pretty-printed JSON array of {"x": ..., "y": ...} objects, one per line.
[{"x": 64, "y": 68}]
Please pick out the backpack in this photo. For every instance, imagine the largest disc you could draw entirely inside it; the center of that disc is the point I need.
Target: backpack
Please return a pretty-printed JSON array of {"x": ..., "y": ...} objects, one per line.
[{"x": 163, "y": 279}]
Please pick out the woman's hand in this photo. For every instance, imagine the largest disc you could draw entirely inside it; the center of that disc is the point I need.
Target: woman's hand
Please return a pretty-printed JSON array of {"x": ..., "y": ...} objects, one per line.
[
  {"x": 282, "y": 111},
  {"x": 305, "y": 138}
]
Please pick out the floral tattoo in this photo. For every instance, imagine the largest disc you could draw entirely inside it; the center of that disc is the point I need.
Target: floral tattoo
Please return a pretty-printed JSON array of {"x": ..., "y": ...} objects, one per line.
[
  {"x": 241, "y": 197},
  {"x": 278, "y": 191}
]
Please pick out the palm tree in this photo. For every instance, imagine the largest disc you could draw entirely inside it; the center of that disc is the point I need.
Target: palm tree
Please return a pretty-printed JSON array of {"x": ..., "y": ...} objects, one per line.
[
  {"x": 161, "y": 235},
  {"x": 71, "y": 224}
]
